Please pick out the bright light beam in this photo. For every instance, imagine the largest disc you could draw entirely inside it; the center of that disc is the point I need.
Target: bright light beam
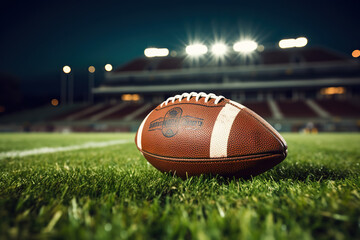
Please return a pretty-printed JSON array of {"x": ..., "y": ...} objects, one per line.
[
  {"x": 108, "y": 67},
  {"x": 301, "y": 42},
  {"x": 156, "y": 52},
  {"x": 196, "y": 49},
  {"x": 246, "y": 46},
  {"x": 219, "y": 49},
  {"x": 66, "y": 69},
  {"x": 292, "y": 42}
]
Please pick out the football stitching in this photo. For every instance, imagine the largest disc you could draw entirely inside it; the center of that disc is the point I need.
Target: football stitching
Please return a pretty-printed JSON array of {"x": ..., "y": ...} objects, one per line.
[{"x": 173, "y": 104}]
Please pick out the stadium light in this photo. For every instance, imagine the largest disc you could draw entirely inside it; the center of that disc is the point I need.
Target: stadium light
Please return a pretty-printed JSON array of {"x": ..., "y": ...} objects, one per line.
[
  {"x": 245, "y": 46},
  {"x": 156, "y": 52},
  {"x": 130, "y": 97},
  {"x": 332, "y": 90},
  {"x": 66, "y": 69},
  {"x": 219, "y": 49},
  {"x": 301, "y": 42},
  {"x": 108, "y": 67},
  {"x": 292, "y": 42},
  {"x": 91, "y": 69},
  {"x": 356, "y": 53},
  {"x": 196, "y": 49},
  {"x": 54, "y": 102},
  {"x": 260, "y": 48}
]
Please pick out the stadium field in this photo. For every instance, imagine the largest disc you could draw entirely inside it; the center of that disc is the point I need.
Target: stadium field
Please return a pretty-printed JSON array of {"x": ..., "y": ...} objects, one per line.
[{"x": 105, "y": 189}]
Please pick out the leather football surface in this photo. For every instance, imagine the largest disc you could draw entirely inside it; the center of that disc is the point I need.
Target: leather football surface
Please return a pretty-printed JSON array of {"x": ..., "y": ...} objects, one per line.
[{"x": 197, "y": 133}]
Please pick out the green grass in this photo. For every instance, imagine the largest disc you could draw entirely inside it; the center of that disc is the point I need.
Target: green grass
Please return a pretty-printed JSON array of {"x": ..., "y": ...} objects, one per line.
[{"x": 113, "y": 193}]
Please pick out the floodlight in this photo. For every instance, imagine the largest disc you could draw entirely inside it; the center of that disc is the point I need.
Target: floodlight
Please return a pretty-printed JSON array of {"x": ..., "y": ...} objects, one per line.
[
  {"x": 91, "y": 69},
  {"x": 287, "y": 43},
  {"x": 219, "y": 49},
  {"x": 156, "y": 52},
  {"x": 301, "y": 42},
  {"x": 245, "y": 46},
  {"x": 108, "y": 67},
  {"x": 54, "y": 102},
  {"x": 356, "y": 53},
  {"x": 292, "y": 42},
  {"x": 196, "y": 49},
  {"x": 66, "y": 69}
]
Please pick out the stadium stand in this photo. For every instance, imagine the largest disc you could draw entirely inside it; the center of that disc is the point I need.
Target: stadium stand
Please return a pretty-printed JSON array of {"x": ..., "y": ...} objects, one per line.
[
  {"x": 170, "y": 63},
  {"x": 145, "y": 113},
  {"x": 321, "y": 55},
  {"x": 108, "y": 111},
  {"x": 288, "y": 87},
  {"x": 76, "y": 113},
  {"x": 340, "y": 108},
  {"x": 41, "y": 114},
  {"x": 123, "y": 112},
  {"x": 98, "y": 110},
  {"x": 275, "y": 57},
  {"x": 261, "y": 108},
  {"x": 296, "y": 109},
  {"x": 139, "y": 64}
]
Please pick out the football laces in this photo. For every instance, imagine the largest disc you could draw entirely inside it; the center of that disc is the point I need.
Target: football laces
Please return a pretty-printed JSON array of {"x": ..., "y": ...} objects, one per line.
[{"x": 197, "y": 96}]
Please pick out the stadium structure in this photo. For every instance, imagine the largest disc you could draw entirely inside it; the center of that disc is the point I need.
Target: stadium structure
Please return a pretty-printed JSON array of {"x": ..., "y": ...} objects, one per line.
[{"x": 294, "y": 89}]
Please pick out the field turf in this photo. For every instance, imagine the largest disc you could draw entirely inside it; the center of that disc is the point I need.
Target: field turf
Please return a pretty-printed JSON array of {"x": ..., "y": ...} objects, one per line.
[{"x": 113, "y": 193}]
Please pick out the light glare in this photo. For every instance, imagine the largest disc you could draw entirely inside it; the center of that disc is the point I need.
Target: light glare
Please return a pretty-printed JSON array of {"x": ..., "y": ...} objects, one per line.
[
  {"x": 130, "y": 97},
  {"x": 156, "y": 52},
  {"x": 219, "y": 49},
  {"x": 91, "y": 69},
  {"x": 196, "y": 49},
  {"x": 356, "y": 53},
  {"x": 54, "y": 102},
  {"x": 66, "y": 69},
  {"x": 292, "y": 42},
  {"x": 301, "y": 42},
  {"x": 246, "y": 46},
  {"x": 108, "y": 67},
  {"x": 332, "y": 90}
]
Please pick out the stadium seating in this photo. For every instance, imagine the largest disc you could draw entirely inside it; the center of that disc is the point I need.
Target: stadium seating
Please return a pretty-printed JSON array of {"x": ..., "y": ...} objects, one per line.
[
  {"x": 296, "y": 109},
  {"x": 340, "y": 108},
  {"x": 138, "y": 64},
  {"x": 120, "y": 114},
  {"x": 94, "y": 112},
  {"x": 320, "y": 55},
  {"x": 69, "y": 112},
  {"x": 275, "y": 57},
  {"x": 44, "y": 113},
  {"x": 170, "y": 63},
  {"x": 261, "y": 108},
  {"x": 145, "y": 113}
]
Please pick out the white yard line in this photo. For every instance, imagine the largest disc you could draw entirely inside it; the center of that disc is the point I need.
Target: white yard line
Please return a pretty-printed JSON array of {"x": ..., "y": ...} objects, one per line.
[{"x": 45, "y": 150}]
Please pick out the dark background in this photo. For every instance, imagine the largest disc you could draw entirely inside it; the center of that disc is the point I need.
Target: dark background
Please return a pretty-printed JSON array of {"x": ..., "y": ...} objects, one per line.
[{"x": 39, "y": 37}]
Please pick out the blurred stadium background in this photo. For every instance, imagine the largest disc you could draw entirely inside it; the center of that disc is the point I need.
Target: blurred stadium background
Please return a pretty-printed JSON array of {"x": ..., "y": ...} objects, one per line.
[{"x": 294, "y": 86}]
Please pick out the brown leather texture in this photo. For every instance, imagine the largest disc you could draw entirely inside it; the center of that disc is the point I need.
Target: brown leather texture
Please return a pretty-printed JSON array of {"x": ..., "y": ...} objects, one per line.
[
  {"x": 190, "y": 139},
  {"x": 249, "y": 135},
  {"x": 176, "y": 138}
]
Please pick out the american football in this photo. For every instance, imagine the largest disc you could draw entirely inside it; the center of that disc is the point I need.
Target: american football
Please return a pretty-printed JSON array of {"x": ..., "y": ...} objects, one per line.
[
  {"x": 198, "y": 133},
  {"x": 185, "y": 120}
]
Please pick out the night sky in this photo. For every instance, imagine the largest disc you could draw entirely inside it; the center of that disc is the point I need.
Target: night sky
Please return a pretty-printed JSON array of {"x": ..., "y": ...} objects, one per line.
[{"x": 39, "y": 37}]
